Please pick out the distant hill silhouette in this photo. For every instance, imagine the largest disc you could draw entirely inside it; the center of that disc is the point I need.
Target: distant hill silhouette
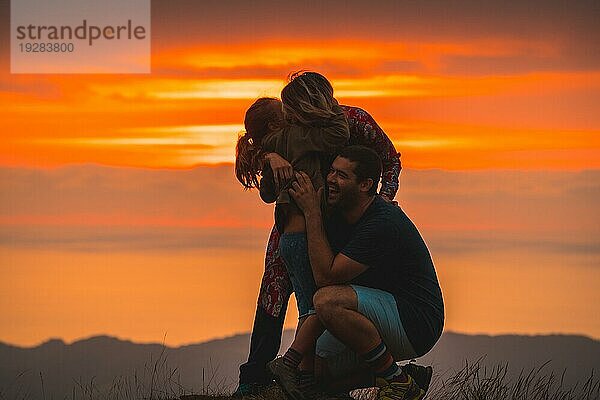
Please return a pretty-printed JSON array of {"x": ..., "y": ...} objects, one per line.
[{"x": 215, "y": 363}]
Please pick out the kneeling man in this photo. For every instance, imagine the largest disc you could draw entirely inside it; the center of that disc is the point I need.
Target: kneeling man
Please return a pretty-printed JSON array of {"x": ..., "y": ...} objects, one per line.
[{"x": 379, "y": 299}]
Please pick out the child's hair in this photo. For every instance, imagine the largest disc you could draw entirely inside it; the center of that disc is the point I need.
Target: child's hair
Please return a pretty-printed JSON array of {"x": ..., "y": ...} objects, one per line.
[
  {"x": 264, "y": 115},
  {"x": 308, "y": 99}
]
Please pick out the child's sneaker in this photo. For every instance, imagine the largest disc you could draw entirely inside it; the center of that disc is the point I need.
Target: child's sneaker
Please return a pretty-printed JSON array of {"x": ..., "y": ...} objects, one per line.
[
  {"x": 295, "y": 384},
  {"x": 286, "y": 377}
]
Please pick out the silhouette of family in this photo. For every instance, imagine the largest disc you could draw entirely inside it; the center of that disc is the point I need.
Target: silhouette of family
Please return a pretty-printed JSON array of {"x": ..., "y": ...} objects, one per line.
[{"x": 366, "y": 288}]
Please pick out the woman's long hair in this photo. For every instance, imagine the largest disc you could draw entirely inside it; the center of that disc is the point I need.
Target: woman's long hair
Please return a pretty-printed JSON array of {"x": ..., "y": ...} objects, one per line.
[
  {"x": 308, "y": 99},
  {"x": 264, "y": 115}
]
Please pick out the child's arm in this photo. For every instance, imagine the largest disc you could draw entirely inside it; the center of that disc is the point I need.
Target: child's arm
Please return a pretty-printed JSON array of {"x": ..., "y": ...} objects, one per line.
[
  {"x": 267, "y": 188},
  {"x": 282, "y": 169}
]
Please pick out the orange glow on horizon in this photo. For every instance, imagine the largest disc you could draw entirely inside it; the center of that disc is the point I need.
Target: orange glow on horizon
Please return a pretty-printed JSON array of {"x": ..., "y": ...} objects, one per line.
[
  {"x": 422, "y": 145},
  {"x": 52, "y": 289}
]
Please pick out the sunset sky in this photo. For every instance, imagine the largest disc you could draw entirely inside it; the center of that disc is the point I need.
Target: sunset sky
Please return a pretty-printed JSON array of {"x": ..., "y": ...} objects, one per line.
[{"x": 120, "y": 213}]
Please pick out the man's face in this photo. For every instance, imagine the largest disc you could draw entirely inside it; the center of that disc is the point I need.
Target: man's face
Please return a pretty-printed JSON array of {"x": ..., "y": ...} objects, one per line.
[{"x": 342, "y": 183}]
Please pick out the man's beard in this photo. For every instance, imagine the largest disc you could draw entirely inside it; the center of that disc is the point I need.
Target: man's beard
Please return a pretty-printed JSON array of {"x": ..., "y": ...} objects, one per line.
[{"x": 346, "y": 199}]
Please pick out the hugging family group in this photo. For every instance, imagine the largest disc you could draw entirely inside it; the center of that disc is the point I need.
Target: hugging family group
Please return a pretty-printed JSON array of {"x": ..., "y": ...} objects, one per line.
[{"x": 366, "y": 288}]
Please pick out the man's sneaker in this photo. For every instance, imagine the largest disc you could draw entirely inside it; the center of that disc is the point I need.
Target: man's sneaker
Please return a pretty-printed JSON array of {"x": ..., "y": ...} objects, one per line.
[
  {"x": 421, "y": 375},
  {"x": 408, "y": 390},
  {"x": 250, "y": 389},
  {"x": 294, "y": 384}
]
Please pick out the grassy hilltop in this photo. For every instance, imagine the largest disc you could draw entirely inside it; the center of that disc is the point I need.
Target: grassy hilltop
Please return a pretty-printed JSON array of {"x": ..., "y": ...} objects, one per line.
[{"x": 553, "y": 367}]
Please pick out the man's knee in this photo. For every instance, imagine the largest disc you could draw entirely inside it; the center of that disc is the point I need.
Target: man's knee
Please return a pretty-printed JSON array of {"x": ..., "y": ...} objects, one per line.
[{"x": 329, "y": 299}]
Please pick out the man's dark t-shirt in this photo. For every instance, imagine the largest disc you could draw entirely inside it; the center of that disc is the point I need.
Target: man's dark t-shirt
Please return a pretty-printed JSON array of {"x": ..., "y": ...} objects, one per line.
[{"x": 386, "y": 240}]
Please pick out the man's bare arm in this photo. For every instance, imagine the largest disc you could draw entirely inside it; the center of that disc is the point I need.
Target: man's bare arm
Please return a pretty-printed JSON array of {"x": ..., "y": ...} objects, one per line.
[{"x": 327, "y": 268}]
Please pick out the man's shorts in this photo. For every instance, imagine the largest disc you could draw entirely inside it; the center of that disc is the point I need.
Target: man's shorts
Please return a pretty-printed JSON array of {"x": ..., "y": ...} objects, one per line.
[{"x": 380, "y": 308}]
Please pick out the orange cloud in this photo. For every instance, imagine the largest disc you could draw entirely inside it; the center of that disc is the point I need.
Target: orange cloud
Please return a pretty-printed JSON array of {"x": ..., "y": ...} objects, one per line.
[
  {"x": 525, "y": 120},
  {"x": 372, "y": 54}
]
